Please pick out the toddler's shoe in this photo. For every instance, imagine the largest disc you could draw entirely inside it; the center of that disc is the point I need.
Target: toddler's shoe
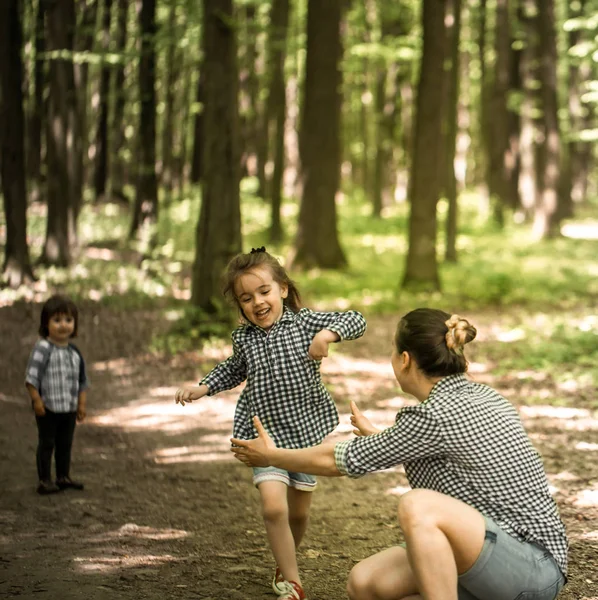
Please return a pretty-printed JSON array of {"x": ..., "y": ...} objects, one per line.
[
  {"x": 277, "y": 582},
  {"x": 47, "y": 487},
  {"x": 66, "y": 482},
  {"x": 292, "y": 591}
]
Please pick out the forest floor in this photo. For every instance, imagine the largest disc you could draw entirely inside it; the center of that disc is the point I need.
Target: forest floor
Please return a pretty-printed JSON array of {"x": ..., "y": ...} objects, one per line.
[{"x": 168, "y": 513}]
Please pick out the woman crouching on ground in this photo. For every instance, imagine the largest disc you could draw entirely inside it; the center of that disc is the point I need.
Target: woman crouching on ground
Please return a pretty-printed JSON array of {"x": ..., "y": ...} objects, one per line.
[{"x": 479, "y": 523}]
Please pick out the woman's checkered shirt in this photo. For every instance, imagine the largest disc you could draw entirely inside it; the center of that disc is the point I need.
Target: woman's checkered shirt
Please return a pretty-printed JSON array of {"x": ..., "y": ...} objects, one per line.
[
  {"x": 468, "y": 442},
  {"x": 284, "y": 387}
]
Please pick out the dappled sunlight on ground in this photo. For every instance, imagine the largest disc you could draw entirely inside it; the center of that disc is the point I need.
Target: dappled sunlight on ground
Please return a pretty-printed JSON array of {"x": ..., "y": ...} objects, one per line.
[
  {"x": 586, "y": 498},
  {"x": 211, "y": 448},
  {"x": 130, "y": 530},
  {"x": 560, "y": 418},
  {"x": 168, "y": 416},
  {"x": 95, "y": 564}
]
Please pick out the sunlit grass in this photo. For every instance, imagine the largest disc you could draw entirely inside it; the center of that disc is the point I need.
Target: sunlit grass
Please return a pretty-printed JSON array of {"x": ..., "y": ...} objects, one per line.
[{"x": 534, "y": 287}]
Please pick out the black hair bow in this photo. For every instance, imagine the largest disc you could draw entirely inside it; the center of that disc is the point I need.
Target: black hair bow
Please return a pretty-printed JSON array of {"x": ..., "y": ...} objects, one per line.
[{"x": 256, "y": 250}]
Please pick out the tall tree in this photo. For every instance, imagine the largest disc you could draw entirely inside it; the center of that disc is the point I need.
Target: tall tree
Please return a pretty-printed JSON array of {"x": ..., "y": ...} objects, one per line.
[
  {"x": 17, "y": 267},
  {"x": 198, "y": 130},
  {"x": 317, "y": 242},
  {"x": 498, "y": 138},
  {"x": 172, "y": 73},
  {"x": 117, "y": 138},
  {"x": 450, "y": 133},
  {"x": 275, "y": 110},
  {"x": 145, "y": 211},
  {"x": 421, "y": 268},
  {"x": 101, "y": 138},
  {"x": 84, "y": 44},
  {"x": 63, "y": 129},
  {"x": 219, "y": 227},
  {"x": 548, "y": 151},
  {"x": 36, "y": 114}
]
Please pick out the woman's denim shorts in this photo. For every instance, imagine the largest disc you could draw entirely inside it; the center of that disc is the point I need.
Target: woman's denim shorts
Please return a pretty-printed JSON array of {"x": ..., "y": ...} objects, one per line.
[
  {"x": 299, "y": 481},
  {"x": 508, "y": 569}
]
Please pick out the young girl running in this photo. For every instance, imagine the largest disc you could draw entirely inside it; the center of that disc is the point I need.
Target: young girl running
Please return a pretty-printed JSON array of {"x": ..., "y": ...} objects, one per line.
[
  {"x": 57, "y": 384},
  {"x": 278, "y": 350}
]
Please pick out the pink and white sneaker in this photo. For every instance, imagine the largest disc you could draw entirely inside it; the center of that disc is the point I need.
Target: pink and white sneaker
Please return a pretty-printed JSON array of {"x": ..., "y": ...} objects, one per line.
[
  {"x": 292, "y": 591},
  {"x": 277, "y": 582}
]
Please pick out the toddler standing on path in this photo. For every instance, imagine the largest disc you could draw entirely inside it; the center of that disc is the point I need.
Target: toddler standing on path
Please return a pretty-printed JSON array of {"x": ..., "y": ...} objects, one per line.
[
  {"x": 279, "y": 351},
  {"x": 57, "y": 384}
]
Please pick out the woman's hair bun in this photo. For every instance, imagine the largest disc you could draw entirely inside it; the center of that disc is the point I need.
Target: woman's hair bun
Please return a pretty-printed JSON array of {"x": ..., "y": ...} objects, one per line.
[{"x": 460, "y": 332}]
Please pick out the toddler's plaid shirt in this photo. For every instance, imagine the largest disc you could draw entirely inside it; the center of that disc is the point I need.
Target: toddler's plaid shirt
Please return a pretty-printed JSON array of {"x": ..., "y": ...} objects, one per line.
[
  {"x": 58, "y": 374},
  {"x": 468, "y": 442},
  {"x": 284, "y": 387}
]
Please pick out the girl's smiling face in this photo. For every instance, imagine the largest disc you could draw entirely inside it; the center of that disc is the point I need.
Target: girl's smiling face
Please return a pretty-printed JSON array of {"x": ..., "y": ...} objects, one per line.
[
  {"x": 260, "y": 297},
  {"x": 60, "y": 328}
]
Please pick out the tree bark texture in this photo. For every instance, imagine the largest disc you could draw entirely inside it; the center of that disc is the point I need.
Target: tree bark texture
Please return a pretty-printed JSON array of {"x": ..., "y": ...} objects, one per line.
[
  {"x": 317, "y": 242},
  {"x": 548, "y": 150},
  {"x": 16, "y": 267},
  {"x": 425, "y": 183},
  {"x": 63, "y": 130},
  {"x": 219, "y": 227},
  {"x": 146, "y": 193}
]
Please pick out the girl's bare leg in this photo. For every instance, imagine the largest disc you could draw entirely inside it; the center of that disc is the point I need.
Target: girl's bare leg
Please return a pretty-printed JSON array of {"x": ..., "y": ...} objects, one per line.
[
  {"x": 299, "y": 504},
  {"x": 444, "y": 538},
  {"x": 275, "y": 510}
]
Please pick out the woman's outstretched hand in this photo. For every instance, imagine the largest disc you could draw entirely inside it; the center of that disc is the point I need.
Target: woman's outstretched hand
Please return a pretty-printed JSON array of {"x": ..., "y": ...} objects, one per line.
[
  {"x": 254, "y": 453},
  {"x": 361, "y": 423}
]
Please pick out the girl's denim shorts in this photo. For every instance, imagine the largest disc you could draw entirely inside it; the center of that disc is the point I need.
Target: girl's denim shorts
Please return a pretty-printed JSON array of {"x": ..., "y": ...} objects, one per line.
[
  {"x": 508, "y": 569},
  {"x": 299, "y": 481}
]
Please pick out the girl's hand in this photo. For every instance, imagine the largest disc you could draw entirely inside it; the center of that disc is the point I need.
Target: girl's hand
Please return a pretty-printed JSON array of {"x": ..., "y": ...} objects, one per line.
[
  {"x": 188, "y": 394},
  {"x": 81, "y": 413},
  {"x": 254, "y": 453},
  {"x": 361, "y": 422},
  {"x": 318, "y": 348},
  {"x": 38, "y": 408}
]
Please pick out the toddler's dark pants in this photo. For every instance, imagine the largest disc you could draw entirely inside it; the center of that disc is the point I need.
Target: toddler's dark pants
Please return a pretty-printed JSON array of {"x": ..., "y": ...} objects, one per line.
[{"x": 55, "y": 432}]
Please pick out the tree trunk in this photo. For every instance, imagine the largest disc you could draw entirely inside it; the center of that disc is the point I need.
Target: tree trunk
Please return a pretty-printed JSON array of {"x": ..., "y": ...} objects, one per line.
[
  {"x": 63, "y": 121},
  {"x": 172, "y": 72},
  {"x": 452, "y": 97},
  {"x": 527, "y": 174},
  {"x": 548, "y": 152},
  {"x": 421, "y": 269},
  {"x": 219, "y": 226},
  {"x": 35, "y": 129},
  {"x": 16, "y": 267},
  {"x": 249, "y": 91},
  {"x": 84, "y": 43},
  {"x": 145, "y": 212},
  {"x": 317, "y": 242},
  {"x": 500, "y": 162},
  {"x": 276, "y": 108},
  {"x": 101, "y": 167},
  {"x": 198, "y": 130},
  {"x": 579, "y": 71},
  {"x": 116, "y": 166}
]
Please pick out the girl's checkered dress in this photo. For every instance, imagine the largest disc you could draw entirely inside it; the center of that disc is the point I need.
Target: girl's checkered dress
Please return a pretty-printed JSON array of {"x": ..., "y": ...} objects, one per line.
[{"x": 284, "y": 386}]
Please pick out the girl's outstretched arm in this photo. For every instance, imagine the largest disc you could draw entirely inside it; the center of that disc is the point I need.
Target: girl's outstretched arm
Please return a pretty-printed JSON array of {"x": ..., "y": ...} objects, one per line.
[{"x": 261, "y": 452}]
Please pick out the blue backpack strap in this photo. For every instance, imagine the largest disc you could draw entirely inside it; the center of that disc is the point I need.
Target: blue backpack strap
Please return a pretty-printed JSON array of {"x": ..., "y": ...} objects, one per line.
[{"x": 82, "y": 373}]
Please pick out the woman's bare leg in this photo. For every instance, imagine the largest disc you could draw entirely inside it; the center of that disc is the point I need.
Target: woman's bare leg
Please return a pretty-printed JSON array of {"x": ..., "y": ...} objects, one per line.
[
  {"x": 383, "y": 576},
  {"x": 275, "y": 510},
  {"x": 444, "y": 538}
]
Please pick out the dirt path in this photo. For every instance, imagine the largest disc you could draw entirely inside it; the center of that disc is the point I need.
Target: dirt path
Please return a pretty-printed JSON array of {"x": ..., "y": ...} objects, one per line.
[{"x": 167, "y": 513}]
